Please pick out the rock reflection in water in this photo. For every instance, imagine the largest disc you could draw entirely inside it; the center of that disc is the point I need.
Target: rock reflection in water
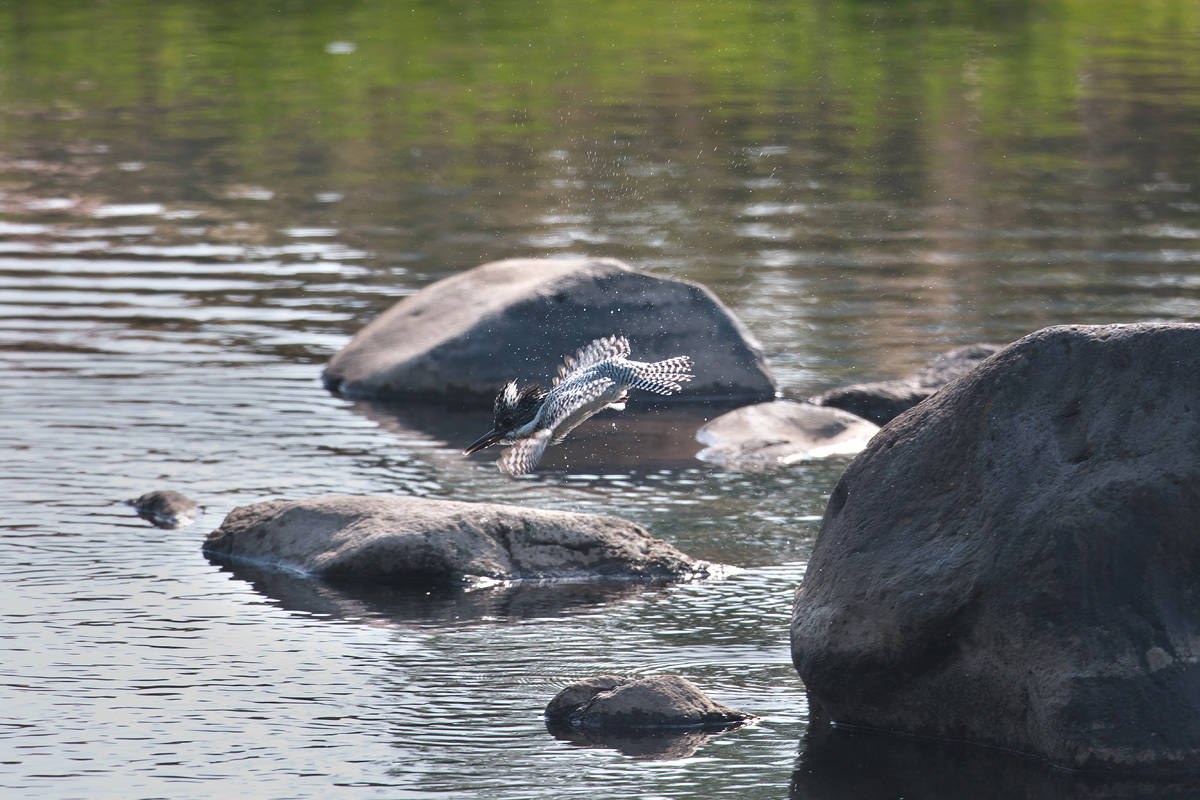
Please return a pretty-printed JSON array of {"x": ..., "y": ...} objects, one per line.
[
  {"x": 415, "y": 604},
  {"x": 644, "y": 436},
  {"x": 656, "y": 745},
  {"x": 837, "y": 763}
]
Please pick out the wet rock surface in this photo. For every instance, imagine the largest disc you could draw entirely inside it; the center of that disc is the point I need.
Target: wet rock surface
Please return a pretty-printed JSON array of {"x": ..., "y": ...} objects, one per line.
[
  {"x": 613, "y": 702},
  {"x": 1013, "y": 562},
  {"x": 166, "y": 508},
  {"x": 444, "y": 542},
  {"x": 782, "y": 432},
  {"x": 463, "y": 337},
  {"x": 882, "y": 401}
]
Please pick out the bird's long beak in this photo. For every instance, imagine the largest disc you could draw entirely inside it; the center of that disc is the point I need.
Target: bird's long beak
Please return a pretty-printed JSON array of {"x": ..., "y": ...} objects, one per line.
[{"x": 487, "y": 440}]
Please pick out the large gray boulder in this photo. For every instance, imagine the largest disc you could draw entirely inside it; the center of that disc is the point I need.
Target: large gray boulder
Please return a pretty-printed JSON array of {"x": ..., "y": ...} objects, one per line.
[
  {"x": 462, "y": 338},
  {"x": 1014, "y": 562},
  {"x": 445, "y": 542},
  {"x": 882, "y": 401},
  {"x": 782, "y": 432}
]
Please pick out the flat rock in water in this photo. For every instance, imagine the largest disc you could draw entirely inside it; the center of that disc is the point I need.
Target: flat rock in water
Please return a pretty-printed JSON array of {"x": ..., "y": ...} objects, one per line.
[
  {"x": 882, "y": 401},
  {"x": 1013, "y": 562},
  {"x": 463, "y": 337},
  {"x": 782, "y": 432},
  {"x": 444, "y": 542},
  {"x": 166, "y": 508},
  {"x": 661, "y": 701}
]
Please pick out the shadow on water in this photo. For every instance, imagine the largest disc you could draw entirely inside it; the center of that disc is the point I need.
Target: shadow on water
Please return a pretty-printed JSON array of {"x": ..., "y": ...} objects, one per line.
[
  {"x": 425, "y": 604},
  {"x": 657, "y": 745},
  {"x": 644, "y": 437},
  {"x": 837, "y": 763}
]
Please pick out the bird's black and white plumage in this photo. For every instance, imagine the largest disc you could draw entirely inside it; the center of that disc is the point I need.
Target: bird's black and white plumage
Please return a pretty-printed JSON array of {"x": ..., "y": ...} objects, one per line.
[{"x": 599, "y": 376}]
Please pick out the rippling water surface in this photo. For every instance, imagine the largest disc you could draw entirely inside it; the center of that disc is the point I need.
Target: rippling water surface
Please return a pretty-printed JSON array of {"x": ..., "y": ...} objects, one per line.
[{"x": 197, "y": 210}]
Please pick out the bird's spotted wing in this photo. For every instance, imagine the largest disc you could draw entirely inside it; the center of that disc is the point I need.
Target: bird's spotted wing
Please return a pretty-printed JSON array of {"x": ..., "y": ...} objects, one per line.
[
  {"x": 570, "y": 405},
  {"x": 525, "y": 454},
  {"x": 591, "y": 354}
]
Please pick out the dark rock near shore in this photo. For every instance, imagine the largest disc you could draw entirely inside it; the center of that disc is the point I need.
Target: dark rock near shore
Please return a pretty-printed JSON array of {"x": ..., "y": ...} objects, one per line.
[
  {"x": 882, "y": 401},
  {"x": 444, "y": 542},
  {"x": 166, "y": 508},
  {"x": 463, "y": 337},
  {"x": 877, "y": 401},
  {"x": 782, "y": 432},
  {"x": 628, "y": 704},
  {"x": 1013, "y": 563}
]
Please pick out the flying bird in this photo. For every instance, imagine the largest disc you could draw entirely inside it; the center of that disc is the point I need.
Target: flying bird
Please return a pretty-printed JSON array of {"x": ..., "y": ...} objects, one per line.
[{"x": 600, "y": 376}]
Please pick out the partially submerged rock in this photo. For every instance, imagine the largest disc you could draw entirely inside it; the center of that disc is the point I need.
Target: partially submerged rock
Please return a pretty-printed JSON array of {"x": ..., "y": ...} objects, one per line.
[
  {"x": 662, "y": 701},
  {"x": 1013, "y": 563},
  {"x": 782, "y": 432},
  {"x": 662, "y": 717},
  {"x": 462, "y": 338},
  {"x": 444, "y": 542},
  {"x": 166, "y": 508},
  {"x": 882, "y": 401}
]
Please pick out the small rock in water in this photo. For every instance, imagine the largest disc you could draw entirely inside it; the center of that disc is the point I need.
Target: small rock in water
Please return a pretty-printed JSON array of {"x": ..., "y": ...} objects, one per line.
[
  {"x": 782, "y": 432},
  {"x": 662, "y": 717},
  {"x": 882, "y": 401},
  {"x": 166, "y": 509},
  {"x": 661, "y": 701}
]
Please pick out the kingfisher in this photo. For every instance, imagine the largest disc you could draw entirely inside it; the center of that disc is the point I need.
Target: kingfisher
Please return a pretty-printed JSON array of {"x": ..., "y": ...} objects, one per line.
[{"x": 599, "y": 376}]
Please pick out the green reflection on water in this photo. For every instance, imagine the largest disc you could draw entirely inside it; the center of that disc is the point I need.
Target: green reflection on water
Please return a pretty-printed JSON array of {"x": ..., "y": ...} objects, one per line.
[
  {"x": 468, "y": 74},
  {"x": 865, "y": 155}
]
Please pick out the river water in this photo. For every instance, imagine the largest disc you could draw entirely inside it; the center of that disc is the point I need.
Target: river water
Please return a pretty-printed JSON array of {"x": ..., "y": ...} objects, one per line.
[{"x": 199, "y": 204}]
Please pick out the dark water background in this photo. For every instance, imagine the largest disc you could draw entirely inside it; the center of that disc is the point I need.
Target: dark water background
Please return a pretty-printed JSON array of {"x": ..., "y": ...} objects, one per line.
[{"x": 201, "y": 202}]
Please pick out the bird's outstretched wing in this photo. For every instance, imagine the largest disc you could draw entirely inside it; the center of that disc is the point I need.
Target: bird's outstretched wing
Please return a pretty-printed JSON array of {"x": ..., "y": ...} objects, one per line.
[
  {"x": 592, "y": 354},
  {"x": 573, "y": 404},
  {"x": 525, "y": 454}
]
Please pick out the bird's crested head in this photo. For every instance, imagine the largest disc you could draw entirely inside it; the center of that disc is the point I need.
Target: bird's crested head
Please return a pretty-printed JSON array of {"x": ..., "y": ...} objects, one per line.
[{"x": 516, "y": 407}]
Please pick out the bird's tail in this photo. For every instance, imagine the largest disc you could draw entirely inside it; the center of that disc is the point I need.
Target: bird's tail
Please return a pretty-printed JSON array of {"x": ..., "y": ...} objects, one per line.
[{"x": 663, "y": 377}]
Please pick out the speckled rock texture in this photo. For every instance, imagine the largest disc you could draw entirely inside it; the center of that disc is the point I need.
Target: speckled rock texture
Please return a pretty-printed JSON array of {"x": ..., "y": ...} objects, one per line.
[
  {"x": 1014, "y": 562},
  {"x": 882, "y": 401},
  {"x": 444, "y": 542},
  {"x": 661, "y": 701},
  {"x": 782, "y": 432},
  {"x": 463, "y": 337}
]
